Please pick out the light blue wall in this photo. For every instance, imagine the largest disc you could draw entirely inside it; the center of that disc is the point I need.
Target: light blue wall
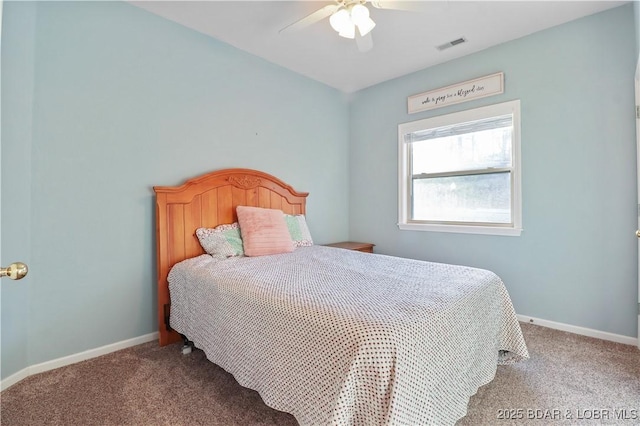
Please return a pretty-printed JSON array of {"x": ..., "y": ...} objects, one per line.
[
  {"x": 576, "y": 261},
  {"x": 122, "y": 100},
  {"x": 636, "y": 15},
  {"x": 17, "y": 113},
  {"x": 101, "y": 101}
]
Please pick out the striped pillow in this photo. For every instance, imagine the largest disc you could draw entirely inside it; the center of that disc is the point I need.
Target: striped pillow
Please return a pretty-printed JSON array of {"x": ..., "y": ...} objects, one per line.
[{"x": 264, "y": 231}]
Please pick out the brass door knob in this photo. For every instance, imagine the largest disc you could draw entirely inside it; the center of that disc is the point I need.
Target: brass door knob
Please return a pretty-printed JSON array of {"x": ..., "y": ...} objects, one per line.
[
  {"x": 15, "y": 271},
  {"x": 638, "y": 233}
]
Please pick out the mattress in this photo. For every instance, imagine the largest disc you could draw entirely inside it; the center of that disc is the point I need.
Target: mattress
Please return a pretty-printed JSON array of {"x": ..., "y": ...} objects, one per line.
[{"x": 341, "y": 337}]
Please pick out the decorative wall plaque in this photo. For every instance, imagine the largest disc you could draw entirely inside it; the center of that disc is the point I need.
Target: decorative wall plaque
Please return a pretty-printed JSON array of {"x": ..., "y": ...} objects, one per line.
[{"x": 480, "y": 87}]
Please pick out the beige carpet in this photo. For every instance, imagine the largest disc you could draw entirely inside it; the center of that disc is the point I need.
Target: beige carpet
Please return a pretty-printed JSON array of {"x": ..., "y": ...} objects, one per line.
[{"x": 567, "y": 375}]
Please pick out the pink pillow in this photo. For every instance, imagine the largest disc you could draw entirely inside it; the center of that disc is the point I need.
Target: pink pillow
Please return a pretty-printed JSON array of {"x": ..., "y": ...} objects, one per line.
[{"x": 264, "y": 231}]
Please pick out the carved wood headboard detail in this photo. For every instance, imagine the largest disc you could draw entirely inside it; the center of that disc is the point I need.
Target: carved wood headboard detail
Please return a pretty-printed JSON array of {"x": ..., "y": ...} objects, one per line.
[{"x": 208, "y": 201}]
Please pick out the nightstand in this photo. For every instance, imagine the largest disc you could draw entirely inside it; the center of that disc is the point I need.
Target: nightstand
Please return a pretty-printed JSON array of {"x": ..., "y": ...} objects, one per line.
[{"x": 350, "y": 245}]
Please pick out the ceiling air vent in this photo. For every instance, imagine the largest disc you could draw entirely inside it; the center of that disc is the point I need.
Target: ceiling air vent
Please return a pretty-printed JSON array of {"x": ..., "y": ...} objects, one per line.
[{"x": 451, "y": 43}]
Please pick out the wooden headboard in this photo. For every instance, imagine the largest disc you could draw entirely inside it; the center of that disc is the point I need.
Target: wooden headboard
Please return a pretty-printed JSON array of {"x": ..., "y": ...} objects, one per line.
[{"x": 207, "y": 201}]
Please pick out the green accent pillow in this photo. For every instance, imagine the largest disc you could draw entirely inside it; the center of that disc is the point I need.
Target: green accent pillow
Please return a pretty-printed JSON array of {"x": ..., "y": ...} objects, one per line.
[
  {"x": 222, "y": 241},
  {"x": 298, "y": 229}
]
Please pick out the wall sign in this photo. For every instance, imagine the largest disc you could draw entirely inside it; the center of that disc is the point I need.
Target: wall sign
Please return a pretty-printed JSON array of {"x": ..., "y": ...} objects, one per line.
[{"x": 462, "y": 92}]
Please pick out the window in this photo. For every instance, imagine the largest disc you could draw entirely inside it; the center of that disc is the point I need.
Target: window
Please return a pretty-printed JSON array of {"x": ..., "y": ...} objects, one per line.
[{"x": 461, "y": 172}]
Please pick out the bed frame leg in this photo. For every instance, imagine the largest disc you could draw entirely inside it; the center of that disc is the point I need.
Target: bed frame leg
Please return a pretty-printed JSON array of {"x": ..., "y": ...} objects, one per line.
[{"x": 187, "y": 345}]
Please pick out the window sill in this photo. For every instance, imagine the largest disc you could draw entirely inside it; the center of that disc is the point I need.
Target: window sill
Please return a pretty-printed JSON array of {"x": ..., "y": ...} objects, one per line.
[{"x": 461, "y": 229}]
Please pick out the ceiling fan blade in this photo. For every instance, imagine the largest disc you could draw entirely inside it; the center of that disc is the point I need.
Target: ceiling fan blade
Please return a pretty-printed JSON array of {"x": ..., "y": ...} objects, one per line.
[
  {"x": 310, "y": 19},
  {"x": 365, "y": 43},
  {"x": 411, "y": 6}
]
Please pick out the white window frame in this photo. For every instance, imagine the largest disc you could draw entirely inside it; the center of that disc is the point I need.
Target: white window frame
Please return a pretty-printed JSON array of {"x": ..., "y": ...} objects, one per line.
[{"x": 404, "y": 170}]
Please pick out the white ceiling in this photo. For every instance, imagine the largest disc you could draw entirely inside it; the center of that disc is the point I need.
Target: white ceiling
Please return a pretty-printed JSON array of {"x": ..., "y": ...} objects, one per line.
[{"x": 404, "y": 42}]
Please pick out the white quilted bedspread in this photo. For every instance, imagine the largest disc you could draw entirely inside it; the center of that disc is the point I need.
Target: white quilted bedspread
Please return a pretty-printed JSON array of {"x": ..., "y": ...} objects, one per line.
[{"x": 340, "y": 337}]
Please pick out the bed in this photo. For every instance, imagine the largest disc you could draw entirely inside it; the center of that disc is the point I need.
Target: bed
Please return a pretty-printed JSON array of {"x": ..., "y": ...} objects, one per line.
[{"x": 329, "y": 335}]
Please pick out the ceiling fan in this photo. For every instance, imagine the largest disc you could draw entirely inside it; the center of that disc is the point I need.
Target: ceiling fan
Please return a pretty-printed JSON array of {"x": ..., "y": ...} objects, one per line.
[{"x": 350, "y": 18}]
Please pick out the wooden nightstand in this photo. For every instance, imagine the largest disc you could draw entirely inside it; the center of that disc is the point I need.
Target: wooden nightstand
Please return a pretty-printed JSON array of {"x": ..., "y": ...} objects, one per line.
[{"x": 350, "y": 245}]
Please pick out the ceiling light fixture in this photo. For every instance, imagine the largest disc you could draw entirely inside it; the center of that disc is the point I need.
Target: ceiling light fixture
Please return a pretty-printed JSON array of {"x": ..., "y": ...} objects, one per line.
[{"x": 345, "y": 20}]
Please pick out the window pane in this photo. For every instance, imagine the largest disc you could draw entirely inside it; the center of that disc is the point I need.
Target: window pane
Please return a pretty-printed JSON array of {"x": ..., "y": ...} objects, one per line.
[
  {"x": 477, "y": 198},
  {"x": 470, "y": 151}
]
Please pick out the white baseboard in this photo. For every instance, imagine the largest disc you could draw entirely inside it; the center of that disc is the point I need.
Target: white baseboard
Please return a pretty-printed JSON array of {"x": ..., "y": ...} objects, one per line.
[
  {"x": 618, "y": 338},
  {"x": 72, "y": 359},
  {"x": 14, "y": 378}
]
